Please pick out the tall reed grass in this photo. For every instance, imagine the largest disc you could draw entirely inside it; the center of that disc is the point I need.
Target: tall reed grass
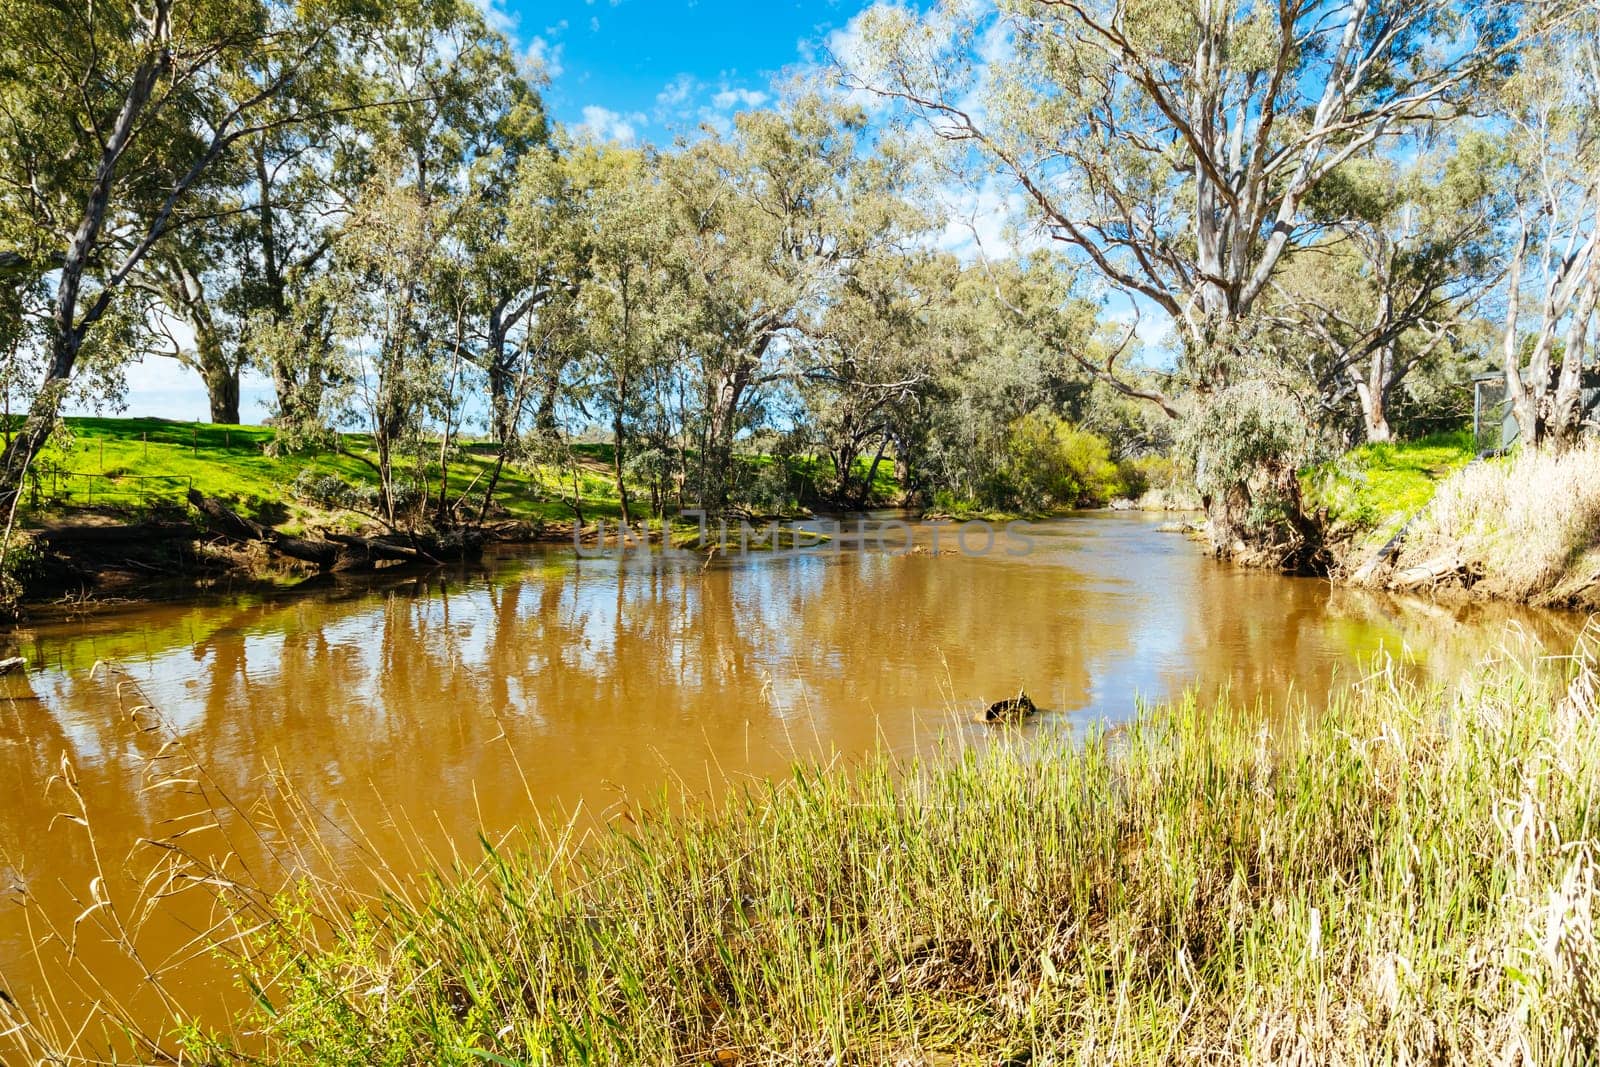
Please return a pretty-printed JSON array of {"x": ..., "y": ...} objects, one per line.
[
  {"x": 1408, "y": 878},
  {"x": 1528, "y": 527}
]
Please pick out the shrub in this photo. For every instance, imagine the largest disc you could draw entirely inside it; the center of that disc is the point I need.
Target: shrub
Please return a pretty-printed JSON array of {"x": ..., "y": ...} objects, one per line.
[
  {"x": 1052, "y": 463},
  {"x": 766, "y": 487},
  {"x": 334, "y": 493},
  {"x": 1143, "y": 474},
  {"x": 19, "y": 562}
]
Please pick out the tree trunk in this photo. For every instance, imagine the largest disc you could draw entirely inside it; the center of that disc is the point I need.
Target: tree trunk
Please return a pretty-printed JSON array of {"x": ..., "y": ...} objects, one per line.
[
  {"x": 1228, "y": 514},
  {"x": 500, "y": 401},
  {"x": 716, "y": 461},
  {"x": 504, "y": 383},
  {"x": 616, "y": 466},
  {"x": 223, "y": 392},
  {"x": 544, "y": 417},
  {"x": 67, "y": 328},
  {"x": 872, "y": 473},
  {"x": 1374, "y": 396},
  {"x": 41, "y": 420},
  {"x": 220, "y": 376},
  {"x": 1566, "y": 409}
]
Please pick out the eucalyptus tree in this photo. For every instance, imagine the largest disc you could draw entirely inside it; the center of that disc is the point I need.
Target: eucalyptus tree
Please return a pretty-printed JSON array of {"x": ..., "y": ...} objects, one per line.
[
  {"x": 301, "y": 179},
  {"x": 1409, "y": 253},
  {"x": 400, "y": 327},
  {"x": 115, "y": 116},
  {"x": 626, "y": 310},
  {"x": 406, "y": 278},
  {"x": 1171, "y": 146},
  {"x": 1553, "y": 171},
  {"x": 875, "y": 365},
  {"x": 531, "y": 256},
  {"x": 767, "y": 223},
  {"x": 180, "y": 278},
  {"x": 1009, "y": 337}
]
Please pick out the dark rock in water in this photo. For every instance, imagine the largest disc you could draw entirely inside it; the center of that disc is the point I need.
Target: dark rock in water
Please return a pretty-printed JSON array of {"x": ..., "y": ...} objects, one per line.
[
  {"x": 16, "y": 663},
  {"x": 1016, "y": 709}
]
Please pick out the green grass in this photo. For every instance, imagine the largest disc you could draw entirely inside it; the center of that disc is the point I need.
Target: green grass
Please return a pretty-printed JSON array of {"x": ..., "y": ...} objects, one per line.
[
  {"x": 146, "y": 463},
  {"x": 139, "y": 463},
  {"x": 1411, "y": 877},
  {"x": 1381, "y": 484}
]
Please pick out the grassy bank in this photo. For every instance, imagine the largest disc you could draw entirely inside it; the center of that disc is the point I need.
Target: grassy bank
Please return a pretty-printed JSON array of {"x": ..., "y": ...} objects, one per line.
[
  {"x": 98, "y": 473},
  {"x": 1410, "y": 878},
  {"x": 146, "y": 463},
  {"x": 1369, "y": 491}
]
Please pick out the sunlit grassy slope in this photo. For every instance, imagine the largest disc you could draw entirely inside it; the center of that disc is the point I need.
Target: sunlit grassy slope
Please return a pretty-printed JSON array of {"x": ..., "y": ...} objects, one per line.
[
  {"x": 140, "y": 462},
  {"x": 1381, "y": 484},
  {"x": 147, "y": 462}
]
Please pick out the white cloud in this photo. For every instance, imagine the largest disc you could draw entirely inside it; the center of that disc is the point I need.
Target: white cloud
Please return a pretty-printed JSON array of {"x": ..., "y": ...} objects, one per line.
[
  {"x": 730, "y": 99},
  {"x": 847, "y": 49},
  {"x": 1152, "y": 327},
  {"x": 847, "y": 44},
  {"x": 497, "y": 17},
  {"x": 603, "y": 124},
  {"x": 989, "y": 220},
  {"x": 676, "y": 94}
]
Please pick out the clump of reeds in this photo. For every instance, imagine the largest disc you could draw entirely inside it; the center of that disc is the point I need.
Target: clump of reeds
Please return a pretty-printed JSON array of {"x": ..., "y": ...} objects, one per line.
[
  {"x": 1410, "y": 877},
  {"x": 1528, "y": 526}
]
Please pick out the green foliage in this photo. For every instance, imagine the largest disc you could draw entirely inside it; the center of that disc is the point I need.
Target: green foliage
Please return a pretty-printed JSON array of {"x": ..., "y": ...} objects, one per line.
[
  {"x": 1234, "y": 435},
  {"x": 19, "y": 561},
  {"x": 1052, "y": 464},
  {"x": 1381, "y": 483},
  {"x": 1141, "y": 474}
]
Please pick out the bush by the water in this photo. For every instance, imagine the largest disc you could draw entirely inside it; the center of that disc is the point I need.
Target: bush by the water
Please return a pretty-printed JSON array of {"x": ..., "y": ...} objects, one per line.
[
  {"x": 1047, "y": 462},
  {"x": 1410, "y": 877}
]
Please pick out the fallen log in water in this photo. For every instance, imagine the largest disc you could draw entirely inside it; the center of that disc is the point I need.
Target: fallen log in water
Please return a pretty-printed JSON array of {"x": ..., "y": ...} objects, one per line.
[
  {"x": 15, "y": 663},
  {"x": 378, "y": 550},
  {"x": 1429, "y": 573},
  {"x": 340, "y": 551},
  {"x": 231, "y": 524},
  {"x": 1386, "y": 554}
]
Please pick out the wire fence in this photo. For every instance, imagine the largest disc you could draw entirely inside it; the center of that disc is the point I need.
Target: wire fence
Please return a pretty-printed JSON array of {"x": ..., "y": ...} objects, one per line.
[{"x": 53, "y": 486}]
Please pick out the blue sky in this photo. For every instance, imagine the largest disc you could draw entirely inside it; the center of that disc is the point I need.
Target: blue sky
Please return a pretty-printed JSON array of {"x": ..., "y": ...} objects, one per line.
[{"x": 649, "y": 69}]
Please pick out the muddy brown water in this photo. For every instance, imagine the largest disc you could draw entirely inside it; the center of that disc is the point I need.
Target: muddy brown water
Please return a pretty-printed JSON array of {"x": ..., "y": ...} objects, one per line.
[{"x": 410, "y": 714}]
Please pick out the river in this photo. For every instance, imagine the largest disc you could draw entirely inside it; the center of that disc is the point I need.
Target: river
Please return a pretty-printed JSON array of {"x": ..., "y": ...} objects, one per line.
[{"x": 409, "y": 714}]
